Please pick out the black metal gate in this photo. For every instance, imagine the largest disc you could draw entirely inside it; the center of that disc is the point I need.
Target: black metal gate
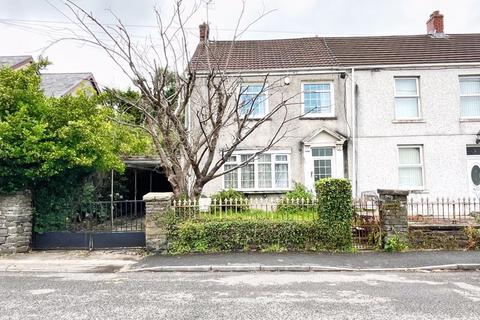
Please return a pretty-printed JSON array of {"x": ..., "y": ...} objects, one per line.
[{"x": 98, "y": 225}]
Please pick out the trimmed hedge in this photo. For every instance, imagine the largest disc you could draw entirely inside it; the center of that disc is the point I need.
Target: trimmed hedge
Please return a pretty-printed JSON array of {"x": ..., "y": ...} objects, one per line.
[
  {"x": 331, "y": 231},
  {"x": 215, "y": 236},
  {"x": 336, "y": 209}
]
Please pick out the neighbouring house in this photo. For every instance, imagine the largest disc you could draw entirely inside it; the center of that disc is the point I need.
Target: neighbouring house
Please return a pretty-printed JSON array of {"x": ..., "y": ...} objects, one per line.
[
  {"x": 396, "y": 112},
  {"x": 55, "y": 84},
  {"x": 142, "y": 174}
]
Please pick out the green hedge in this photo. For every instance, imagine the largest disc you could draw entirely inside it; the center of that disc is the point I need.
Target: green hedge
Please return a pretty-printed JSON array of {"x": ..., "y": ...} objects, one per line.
[
  {"x": 331, "y": 231},
  {"x": 215, "y": 236},
  {"x": 336, "y": 209}
]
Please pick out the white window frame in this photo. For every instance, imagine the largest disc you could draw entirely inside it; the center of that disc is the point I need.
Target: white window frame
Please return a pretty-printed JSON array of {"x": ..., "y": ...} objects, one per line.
[
  {"x": 231, "y": 172},
  {"x": 265, "y": 92},
  {"x": 332, "y": 100},
  {"x": 331, "y": 158},
  {"x": 417, "y": 96},
  {"x": 421, "y": 165},
  {"x": 255, "y": 163},
  {"x": 466, "y": 95}
]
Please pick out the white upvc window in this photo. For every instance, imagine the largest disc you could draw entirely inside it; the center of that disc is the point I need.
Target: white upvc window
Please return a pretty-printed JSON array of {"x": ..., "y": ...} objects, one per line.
[
  {"x": 322, "y": 162},
  {"x": 318, "y": 99},
  {"x": 410, "y": 167},
  {"x": 470, "y": 96},
  {"x": 230, "y": 179},
  {"x": 407, "y": 98},
  {"x": 253, "y": 100},
  {"x": 267, "y": 171}
]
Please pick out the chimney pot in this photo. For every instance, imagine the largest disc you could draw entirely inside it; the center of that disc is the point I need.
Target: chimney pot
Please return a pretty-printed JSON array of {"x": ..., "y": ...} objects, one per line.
[
  {"x": 204, "y": 32},
  {"x": 435, "y": 23}
]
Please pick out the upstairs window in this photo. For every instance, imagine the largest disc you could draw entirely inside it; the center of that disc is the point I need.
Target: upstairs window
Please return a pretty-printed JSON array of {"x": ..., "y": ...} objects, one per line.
[
  {"x": 253, "y": 100},
  {"x": 318, "y": 100},
  {"x": 407, "y": 99},
  {"x": 410, "y": 169},
  {"x": 470, "y": 97}
]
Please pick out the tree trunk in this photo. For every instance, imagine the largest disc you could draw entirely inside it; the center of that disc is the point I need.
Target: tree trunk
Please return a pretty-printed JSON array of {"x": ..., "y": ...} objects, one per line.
[{"x": 179, "y": 185}]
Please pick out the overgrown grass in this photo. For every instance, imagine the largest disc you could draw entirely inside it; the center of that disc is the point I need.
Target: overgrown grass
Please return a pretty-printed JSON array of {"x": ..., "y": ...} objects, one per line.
[{"x": 257, "y": 214}]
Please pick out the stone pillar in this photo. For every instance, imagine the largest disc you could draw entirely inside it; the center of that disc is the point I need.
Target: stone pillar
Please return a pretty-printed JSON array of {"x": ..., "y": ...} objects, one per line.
[
  {"x": 157, "y": 205},
  {"x": 15, "y": 222},
  {"x": 393, "y": 213}
]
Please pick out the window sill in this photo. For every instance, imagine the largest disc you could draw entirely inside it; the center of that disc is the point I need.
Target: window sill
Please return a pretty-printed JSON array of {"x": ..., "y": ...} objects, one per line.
[
  {"x": 469, "y": 120},
  {"x": 265, "y": 191},
  {"x": 415, "y": 190},
  {"x": 409, "y": 121},
  {"x": 318, "y": 118}
]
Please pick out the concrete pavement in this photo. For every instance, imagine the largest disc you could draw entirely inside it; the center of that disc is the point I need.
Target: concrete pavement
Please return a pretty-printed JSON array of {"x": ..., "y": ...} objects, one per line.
[
  {"x": 364, "y": 261},
  {"x": 135, "y": 261},
  {"x": 266, "y": 296},
  {"x": 70, "y": 261}
]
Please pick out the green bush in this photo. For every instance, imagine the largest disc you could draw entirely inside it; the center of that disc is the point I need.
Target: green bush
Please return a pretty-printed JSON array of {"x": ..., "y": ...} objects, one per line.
[
  {"x": 473, "y": 236},
  {"x": 224, "y": 197},
  {"x": 395, "y": 244},
  {"x": 288, "y": 203},
  {"x": 262, "y": 235},
  {"x": 336, "y": 210}
]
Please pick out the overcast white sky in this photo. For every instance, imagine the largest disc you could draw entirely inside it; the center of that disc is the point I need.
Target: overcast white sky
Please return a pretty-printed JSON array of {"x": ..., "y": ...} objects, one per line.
[{"x": 28, "y": 26}]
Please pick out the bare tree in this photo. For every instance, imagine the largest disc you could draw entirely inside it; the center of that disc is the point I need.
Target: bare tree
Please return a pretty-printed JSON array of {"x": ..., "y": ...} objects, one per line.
[{"x": 197, "y": 115}]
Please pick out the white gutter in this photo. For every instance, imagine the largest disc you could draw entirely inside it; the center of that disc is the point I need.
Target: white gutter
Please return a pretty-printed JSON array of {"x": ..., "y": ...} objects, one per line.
[
  {"x": 354, "y": 136},
  {"x": 281, "y": 73}
]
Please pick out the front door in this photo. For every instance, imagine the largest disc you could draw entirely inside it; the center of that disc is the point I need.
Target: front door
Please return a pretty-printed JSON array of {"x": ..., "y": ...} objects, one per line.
[
  {"x": 473, "y": 173},
  {"x": 323, "y": 162}
]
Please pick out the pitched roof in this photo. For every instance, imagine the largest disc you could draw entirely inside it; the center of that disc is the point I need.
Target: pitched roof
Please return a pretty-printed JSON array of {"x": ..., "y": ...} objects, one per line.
[
  {"x": 14, "y": 61},
  {"x": 337, "y": 52},
  {"x": 264, "y": 54},
  {"x": 417, "y": 49},
  {"x": 60, "y": 84}
]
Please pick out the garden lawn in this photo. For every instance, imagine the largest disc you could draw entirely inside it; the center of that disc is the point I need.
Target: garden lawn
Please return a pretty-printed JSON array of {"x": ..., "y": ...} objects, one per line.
[{"x": 255, "y": 214}]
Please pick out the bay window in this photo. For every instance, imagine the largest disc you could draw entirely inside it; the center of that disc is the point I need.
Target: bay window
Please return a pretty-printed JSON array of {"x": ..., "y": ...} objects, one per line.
[{"x": 267, "y": 171}]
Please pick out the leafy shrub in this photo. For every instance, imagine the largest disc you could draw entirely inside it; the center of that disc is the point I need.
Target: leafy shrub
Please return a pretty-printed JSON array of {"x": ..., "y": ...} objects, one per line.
[
  {"x": 64, "y": 200},
  {"x": 264, "y": 235},
  {"x": 289, "y": 205},
  {"x": 473, "y": 235},
  {"x": 213, "y": 236},
  {"x": 230, "y": 200},
  {"x": 336, "y": 209},
  {"x": 299, "y": 192},
  {"x": 395, "y": 244}
]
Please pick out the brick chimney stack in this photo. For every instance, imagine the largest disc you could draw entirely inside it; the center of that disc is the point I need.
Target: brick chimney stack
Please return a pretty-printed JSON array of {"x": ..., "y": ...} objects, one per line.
[
  {"x": 204, "y": 32},
  {"x": 435, "y": 24}
]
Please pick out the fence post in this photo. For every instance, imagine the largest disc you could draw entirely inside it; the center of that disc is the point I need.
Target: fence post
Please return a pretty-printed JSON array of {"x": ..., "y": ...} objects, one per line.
[
  {"x": 393, "y": 213},
  {"x": 157, "y": 205},
  {"x": 15, "y": 222}
]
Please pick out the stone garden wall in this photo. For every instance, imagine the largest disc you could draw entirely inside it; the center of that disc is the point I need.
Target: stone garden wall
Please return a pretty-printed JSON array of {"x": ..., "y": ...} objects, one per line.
[
  {"x": 446, "y": 237},
  {"x": 15, "y": 222}
]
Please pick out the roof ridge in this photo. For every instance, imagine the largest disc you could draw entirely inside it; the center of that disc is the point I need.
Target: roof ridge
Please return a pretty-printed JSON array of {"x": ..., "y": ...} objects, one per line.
[
  {"x": 330, "y": 52},
  {"x": 18, "y": 56},
  {"x": 86, "y": 72}
]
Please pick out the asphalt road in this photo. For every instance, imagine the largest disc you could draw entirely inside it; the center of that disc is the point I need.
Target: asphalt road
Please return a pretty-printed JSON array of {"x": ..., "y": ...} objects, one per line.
[{"x": 327, "y": 295}]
